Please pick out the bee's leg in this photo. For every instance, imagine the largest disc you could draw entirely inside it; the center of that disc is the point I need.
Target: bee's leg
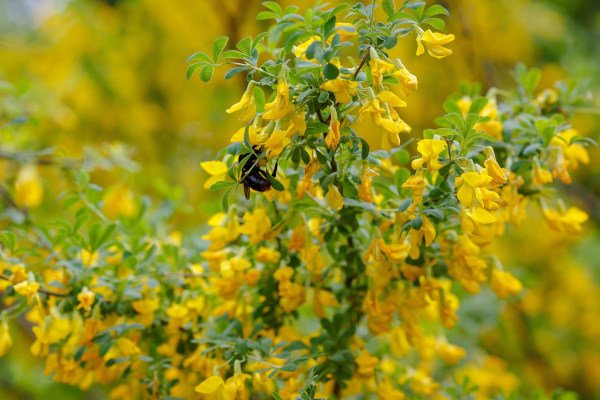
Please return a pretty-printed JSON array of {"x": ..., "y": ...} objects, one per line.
[
  {"x": 247, "y": 191},
  {"x": 264, "y": 174},
  {"x": 275, "y": 169}
]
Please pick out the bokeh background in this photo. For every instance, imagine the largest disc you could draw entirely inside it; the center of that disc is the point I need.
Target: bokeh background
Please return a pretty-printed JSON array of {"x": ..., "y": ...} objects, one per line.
[{"x": 108, "y": 77}]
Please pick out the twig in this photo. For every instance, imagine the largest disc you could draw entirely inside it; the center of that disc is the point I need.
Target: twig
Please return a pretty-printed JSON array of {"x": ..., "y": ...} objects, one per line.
[{"x": 362, "y": 63}]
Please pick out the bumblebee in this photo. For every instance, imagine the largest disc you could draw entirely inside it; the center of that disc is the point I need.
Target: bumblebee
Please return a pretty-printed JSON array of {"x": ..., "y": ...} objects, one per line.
[{"x": 253, "y": 177}]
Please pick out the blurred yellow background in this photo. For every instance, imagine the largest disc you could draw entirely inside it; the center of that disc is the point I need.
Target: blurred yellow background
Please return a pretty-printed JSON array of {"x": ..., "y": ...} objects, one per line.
[{"x": 111, "y": 74}]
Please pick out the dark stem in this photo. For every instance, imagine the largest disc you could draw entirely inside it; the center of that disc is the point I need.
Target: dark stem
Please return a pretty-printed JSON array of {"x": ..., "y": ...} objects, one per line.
[{"x": 362, "y": 63}]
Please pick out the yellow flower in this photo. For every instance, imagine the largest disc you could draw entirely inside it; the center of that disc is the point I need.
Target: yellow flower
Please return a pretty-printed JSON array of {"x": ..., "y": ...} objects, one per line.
[
  {"x": 343, "y": 89},
  {"x": 409, "y": 81},
  {"x": 574, "y": 153},
  {"x": 334, "y": 198},
  {"x": 540, "y": 175},
  {"x": 471, "y": 188},
  {"x": 27, "y": 288},
  {"x": 211, "y": 385},
  {"x": 366, "y": 364},
  {"x": 217, "y": 171},
  {"x": 505, "y": 284},
  {"x": 333, "y": 136},
  {"x": 569, "y": 221},
  {"x": 427, "y": 232},
  {"x": 416, "y": 183},
  {"x": 266, "y": 255},
  {"x": 323, "y": 298},
  {"x": 86, "y": 299},
  {"x": 5, "y": 338},
  {"x": 276, "y": 143},
  {"x": 393, "y": 128},
  {"x": 378, "y": 68},
  {"x": 246, "y": 105},
  {"x": 311, "y": 255},
  {"x": 347, "y": 33},
  {"x": 19, "y": 274},
  {"x": 257, "y": 134},
  {"x": 364, "y": 189},
  {"x": 298, "y": 238},
  {"x": 386, "y": 391},
  {"x": 301, "y": 48},
  {"x": 257, "y": 225},
  {"x": 88, "y": 258},
  {"x": 499, "y": 175},
  {"x": 119, "y": 202},
  {"x": 281, "y": 107},
  {"x": 391, "y": 99},
  {"x": 435, "y": 44},
  {"x": 371, "y": 110},
  {"x": 451, "y": 354},
  {"x": 430, "y": 149},
  {"x": 29, "y": 191}
]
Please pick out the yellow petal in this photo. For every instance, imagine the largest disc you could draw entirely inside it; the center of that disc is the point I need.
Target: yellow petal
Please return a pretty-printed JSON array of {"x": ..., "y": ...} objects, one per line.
[
  {"x": 210, "y": 385},
  {"x": 214, "y": 167}
]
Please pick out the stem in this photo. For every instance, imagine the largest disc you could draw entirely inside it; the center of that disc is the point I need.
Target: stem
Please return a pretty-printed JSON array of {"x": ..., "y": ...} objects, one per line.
[{"x": 362, "y": 63}]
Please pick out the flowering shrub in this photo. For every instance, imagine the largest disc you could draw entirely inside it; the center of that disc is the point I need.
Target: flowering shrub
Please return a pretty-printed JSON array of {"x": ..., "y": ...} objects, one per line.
[{"x": 341, "y": 271}]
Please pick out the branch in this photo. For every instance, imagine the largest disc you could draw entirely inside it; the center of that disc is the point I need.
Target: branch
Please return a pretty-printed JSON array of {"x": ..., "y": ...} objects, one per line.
[{"x": 362, "y": 63}]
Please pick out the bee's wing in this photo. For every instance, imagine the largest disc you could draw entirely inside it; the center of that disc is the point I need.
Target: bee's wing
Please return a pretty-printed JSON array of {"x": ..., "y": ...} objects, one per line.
[{"x": 247, "y": 191}]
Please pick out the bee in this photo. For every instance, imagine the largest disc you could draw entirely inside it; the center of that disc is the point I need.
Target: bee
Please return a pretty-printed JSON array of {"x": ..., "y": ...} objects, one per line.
[{"x": 254, "y": 177}]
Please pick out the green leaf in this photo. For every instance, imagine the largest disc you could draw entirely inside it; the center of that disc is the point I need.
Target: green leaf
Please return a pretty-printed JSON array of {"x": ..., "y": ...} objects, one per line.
[
  {"x": 403, "y": 156},
  {"x": 436, "y": 9},
  {"x": 275, "y": 183},
  {"x": 266, "y": 15},
  {"x": 388, "y": 7},
  {"x": 234, "y": 71},
  {"x": 331, "y": 72},
  {"x": 245, "y": 45},
  {"x": 274, "y": 6},
  {"x": 276, "y": 396},
  {"x": 258, "y": 39},
  {"x": 221, "y": 185},
  {"x": 259, "y": 99},
  {"x": 364, "y": 149},
  {"x": 456, "y": 120},
  {"x": 435, "y": 22},
  {"x": 451, "y": 106},
  {"x": 192, "y": 69},
  {"x": 471, "y": 121},
  {"x": 225, "y": 199},
  {"x": 416, "y": 223},
  {"x": 234, "y": 54},
  {"x": 82, "y": 178},
  {"x": 485, "y": 136},
  {"x": 477, "y": 105},
  {"x": 439, "y": 214},
  {"x": 294, "y": 38},
  {"x": 9, "y": 239},
  {"x": 94, "y": 235},
  {"x": 201, "y": 57},
  {"x": 207, "y": 72},
  {"x": 218, "y": 47},
  {"x": 446, "y": 132},
  {"x": 247, "y": 137},
  {"x": 415, "y": 4}
]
